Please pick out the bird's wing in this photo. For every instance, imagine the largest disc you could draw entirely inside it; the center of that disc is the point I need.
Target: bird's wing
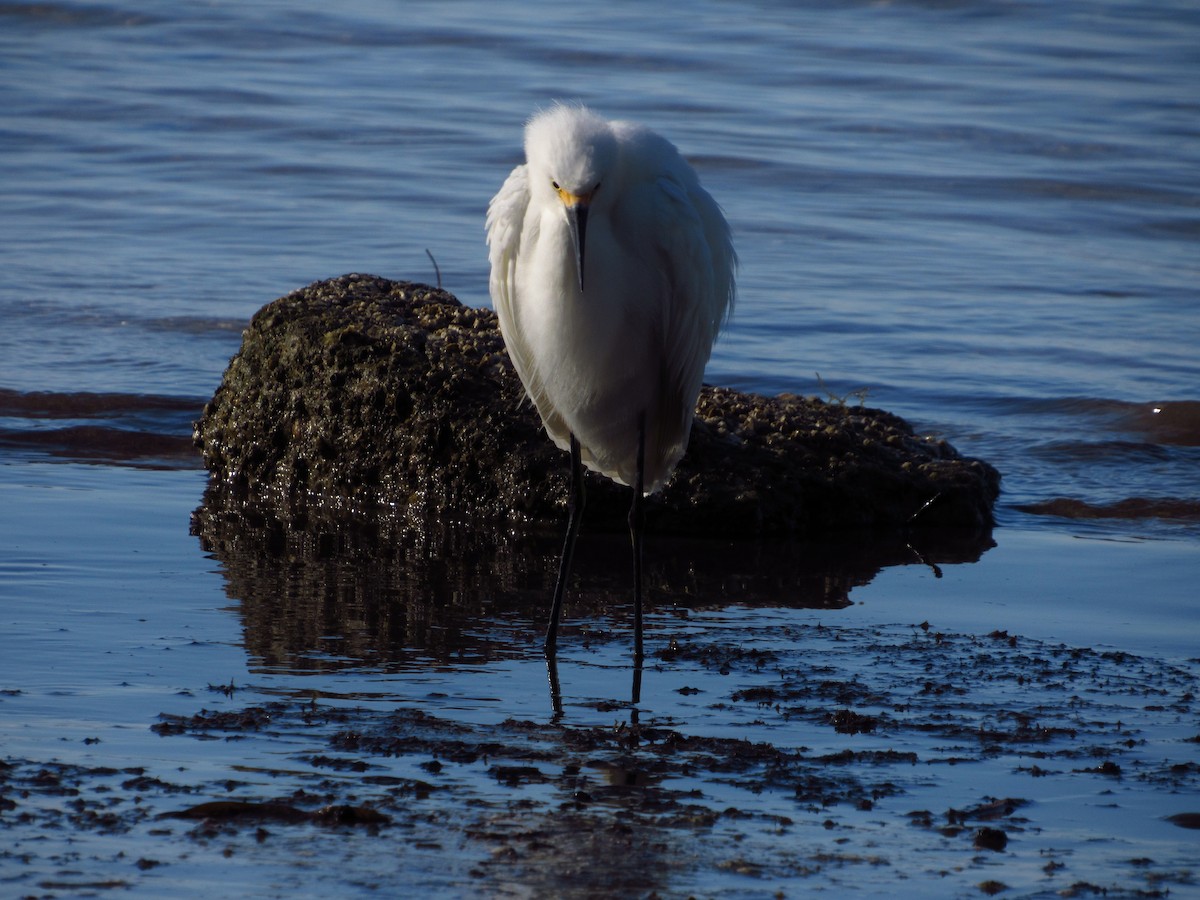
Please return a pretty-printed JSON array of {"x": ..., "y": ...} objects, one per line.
[
  {"x": 505, "y": 228},
  {"x": 505, "y": 222},
  {"x": 690, "y": 243},
  {"x": 695, "y": 240}
]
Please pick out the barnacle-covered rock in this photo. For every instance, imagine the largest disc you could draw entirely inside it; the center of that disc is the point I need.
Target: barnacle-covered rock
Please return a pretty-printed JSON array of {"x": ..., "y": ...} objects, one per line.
[{"x": 364, "y": 396}]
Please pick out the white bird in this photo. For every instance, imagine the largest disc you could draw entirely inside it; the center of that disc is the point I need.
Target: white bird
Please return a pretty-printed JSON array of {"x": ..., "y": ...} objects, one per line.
[{"x": 611, "y": 274}]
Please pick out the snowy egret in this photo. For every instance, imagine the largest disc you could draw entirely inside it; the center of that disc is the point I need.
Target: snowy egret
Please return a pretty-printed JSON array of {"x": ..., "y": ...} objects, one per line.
[{"x": 612, "y": 272}]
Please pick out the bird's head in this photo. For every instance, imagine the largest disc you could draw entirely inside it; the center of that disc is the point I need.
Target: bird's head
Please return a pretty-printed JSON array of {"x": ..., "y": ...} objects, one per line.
[{"x": 571, "y": 152}]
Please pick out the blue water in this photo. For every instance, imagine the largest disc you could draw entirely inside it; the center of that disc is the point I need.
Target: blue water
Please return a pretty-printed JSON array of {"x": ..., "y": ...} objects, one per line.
[
  {"x": 985, "y": 215},
  {"x": 982, "y": 216}
]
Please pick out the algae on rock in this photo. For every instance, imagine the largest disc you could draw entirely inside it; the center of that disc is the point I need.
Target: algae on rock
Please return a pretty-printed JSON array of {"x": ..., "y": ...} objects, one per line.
[{"x": 393, "y": 399}]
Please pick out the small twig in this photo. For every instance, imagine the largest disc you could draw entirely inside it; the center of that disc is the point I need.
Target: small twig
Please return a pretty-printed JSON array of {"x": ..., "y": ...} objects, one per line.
[
  {"x": 928, "y": 503},
  {"x": 860, "y": 394},
  {"x": 937, "y": 572},
  {"x": 934, "y": 567},
  {"x": 436, "y": 270},
  {"x": 226, "y": 689}
]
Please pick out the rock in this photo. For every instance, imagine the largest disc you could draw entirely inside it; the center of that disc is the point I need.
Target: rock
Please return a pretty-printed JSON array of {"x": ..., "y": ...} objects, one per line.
[
  {"x": 360, "y": 395},
  {"x": 990, "y": 839}
]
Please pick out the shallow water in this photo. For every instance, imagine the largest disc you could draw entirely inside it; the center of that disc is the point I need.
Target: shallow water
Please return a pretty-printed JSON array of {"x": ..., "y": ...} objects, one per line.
[
  {"x": 992, "y": 234},
  {"x": 144, "y": 679},
  {"x": 983, "y": 218}
]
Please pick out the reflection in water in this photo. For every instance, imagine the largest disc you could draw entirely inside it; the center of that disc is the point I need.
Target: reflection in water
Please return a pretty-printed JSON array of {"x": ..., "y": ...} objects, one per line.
[
  {"x": 318, "y": 593},
  {"x": 556, "y": 703}
]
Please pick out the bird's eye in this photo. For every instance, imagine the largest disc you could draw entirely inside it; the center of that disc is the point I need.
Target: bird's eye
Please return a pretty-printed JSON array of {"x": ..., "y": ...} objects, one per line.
[{"x": 554, "y": 184}]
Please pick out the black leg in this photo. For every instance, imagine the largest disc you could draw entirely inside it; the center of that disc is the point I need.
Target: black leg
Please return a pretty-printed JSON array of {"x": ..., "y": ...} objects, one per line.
[
  {"x": 636, "y": 521},
  {"x": 575, "y": 503},
  {"x": 555, "y": 690}
]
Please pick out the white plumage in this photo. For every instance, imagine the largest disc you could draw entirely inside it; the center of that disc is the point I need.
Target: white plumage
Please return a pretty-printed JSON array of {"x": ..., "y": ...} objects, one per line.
[
  {"x": 658, "y": 286},
  {"x": 611, "y": 273}
]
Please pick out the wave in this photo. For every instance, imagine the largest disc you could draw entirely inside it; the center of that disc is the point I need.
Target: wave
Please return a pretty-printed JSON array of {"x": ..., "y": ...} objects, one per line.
[
  {"x": 1088, "y": 458},
  {"x": 112, "y": 445},
  {"x": 61, "y": 15},
  {"x": 1176, "y": 423},
  {"x": 1170, "y": 508},
  {"x": 87, "y": 404},
  {"x": 141, "y": 430},
  {"x": 1166, "y": 422}
]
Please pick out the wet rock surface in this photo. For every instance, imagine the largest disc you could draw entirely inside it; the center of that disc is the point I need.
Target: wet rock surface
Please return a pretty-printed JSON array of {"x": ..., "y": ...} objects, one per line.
[{"x": 360, "y": 393}]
